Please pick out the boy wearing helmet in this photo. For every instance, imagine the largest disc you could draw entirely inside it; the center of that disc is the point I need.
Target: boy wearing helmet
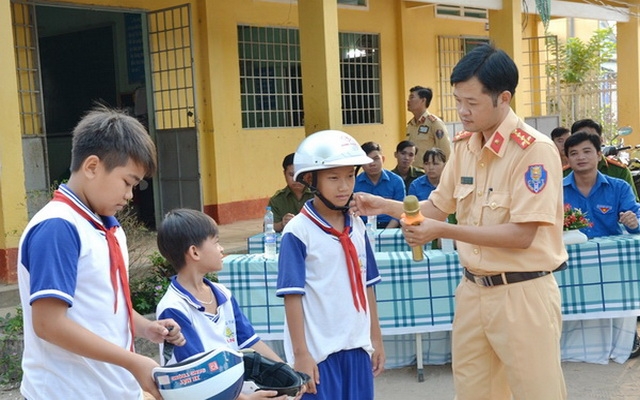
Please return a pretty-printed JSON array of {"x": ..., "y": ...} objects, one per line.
[{"x": 326, "y": 273}]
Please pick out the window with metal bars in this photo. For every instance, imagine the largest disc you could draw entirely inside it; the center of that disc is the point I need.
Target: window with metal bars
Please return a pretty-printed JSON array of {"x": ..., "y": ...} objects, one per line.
[
  {"x": 447, "y": 11},
  {"x": 270, "y": 77},
  {"x": 271, "y": 80},
  {"x": 354, "y": 3},
  {"x": 362, "y": 3},
  {"x": 450, "y": 50},
  {"x": 360, "y": 78}
]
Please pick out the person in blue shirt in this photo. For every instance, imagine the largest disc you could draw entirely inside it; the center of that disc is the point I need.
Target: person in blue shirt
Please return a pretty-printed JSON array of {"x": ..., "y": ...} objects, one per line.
[
  {"x": 608, "y": 202},
  {"x": 433, "y": 160},
  {"x": 379, "y": 181}
]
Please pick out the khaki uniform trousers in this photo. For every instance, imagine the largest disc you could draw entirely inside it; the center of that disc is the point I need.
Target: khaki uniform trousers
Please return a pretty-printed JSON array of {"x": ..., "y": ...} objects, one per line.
[{"x": 506, "y": 341}]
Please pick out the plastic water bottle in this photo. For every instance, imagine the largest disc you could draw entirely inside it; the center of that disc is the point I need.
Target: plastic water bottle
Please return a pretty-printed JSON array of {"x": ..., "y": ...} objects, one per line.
[
  {"x": 371, "y": 230},
  {"x": 269, "y": 236}
]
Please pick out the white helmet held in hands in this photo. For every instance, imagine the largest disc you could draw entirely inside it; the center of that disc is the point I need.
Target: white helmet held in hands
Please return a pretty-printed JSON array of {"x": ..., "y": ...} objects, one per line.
[{"x": 213, "y": 375}]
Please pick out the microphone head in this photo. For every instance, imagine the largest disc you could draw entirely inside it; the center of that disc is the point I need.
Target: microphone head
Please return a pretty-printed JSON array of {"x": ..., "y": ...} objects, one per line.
[{"x": 411, "y": 205}]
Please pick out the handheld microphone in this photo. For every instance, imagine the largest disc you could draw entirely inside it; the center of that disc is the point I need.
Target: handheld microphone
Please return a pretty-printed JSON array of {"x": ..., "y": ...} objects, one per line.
[{"x": 413, "y": 216}]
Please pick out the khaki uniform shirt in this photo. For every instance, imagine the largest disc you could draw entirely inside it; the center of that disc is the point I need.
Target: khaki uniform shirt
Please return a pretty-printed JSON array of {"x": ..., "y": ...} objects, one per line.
[
  {"x": 427, "y": 132},
  {"x": 515, "y": 177},
  {"x": 284, "y": 201}
]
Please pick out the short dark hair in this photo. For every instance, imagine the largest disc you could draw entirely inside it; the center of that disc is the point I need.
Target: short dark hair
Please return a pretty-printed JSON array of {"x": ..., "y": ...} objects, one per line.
[
  {"x": 559, "y": 131},
  {"x": 433, "y": 154},
  {"x": 181, "y": 229},
  {"x": 586, "y": 123},
  {"x": 495, "y": 70},
  {"x": 579, "y": 137},
  {"x": 115, "y": 138},
  {"x": 368, "y": 147},
  {"x": 404, "y": 144},
  {"x": 424, "y": 93},
  {"x": 288, "y": 160}
]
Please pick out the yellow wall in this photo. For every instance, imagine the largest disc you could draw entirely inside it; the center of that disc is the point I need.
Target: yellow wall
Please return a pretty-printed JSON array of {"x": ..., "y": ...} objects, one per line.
[
  {"x": 248, "y": 160},
  {"x": 12, "y": 193},
  {"x": 419, "y": 42},
  {"x": 13, "y": 211},
  {"x": 243, "y": 165}
]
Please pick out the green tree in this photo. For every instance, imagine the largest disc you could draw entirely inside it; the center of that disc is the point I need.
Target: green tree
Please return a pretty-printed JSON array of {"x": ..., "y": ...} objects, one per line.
[{"x": 578, "y": 74}]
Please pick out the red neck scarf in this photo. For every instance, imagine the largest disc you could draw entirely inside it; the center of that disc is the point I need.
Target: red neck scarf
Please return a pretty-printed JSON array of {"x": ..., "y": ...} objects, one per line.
[
  {"x": 116, "y": 260},
  {"x": 353, "y": 264}
]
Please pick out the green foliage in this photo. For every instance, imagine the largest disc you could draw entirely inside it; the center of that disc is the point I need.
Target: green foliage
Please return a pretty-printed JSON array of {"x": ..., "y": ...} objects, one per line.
[
  {"x": 579, "y": 62},
  {"x": 148, "y": 288},
  {"x": 579, "y": 80},
  {"x": 11, "y": 328}
]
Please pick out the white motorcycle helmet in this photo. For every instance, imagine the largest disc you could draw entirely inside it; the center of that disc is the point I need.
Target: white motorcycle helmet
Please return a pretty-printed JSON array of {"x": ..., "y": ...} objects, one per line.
[
  {"x": 213, "y": 375},
  {"x": 327, "y": 149}
]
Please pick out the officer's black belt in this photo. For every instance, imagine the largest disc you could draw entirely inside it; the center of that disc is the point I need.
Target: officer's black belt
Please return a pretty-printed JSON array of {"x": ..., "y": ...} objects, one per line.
[{"x": 503, "y": 278}]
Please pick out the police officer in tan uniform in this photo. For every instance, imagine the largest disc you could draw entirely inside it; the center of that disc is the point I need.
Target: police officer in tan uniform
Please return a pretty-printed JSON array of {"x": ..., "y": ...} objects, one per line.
[
  {"x": 505, "y": 184},
  {"x": 425, "y": 129}
]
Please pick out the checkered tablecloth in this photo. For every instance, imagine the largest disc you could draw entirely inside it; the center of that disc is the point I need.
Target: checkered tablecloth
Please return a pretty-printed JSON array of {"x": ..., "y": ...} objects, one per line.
[
  {"x": 255, "y": 243},
  {"x": 385, "y": 240},
  {"x": 602, "y": 281}
]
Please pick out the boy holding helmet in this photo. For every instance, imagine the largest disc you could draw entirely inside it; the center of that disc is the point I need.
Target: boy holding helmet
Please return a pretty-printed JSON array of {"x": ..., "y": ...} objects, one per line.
[{"x": 325, "y": 259}]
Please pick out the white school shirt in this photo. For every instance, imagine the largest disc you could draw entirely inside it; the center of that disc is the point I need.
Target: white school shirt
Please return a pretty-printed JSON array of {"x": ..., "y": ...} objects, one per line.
[
  {"x": 312, "y": 263},
  {"x": 204, "y": 331},
  {"x": 61, "y": 255}
]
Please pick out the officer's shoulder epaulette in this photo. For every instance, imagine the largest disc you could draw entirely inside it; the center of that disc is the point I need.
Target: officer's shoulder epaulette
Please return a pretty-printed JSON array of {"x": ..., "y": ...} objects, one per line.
[
  {"x": 613, "y": 161},
  {"x": 462, "y": 135},
  {"x": 432, "y": 118},
  {"x": 522, "y": 138}
]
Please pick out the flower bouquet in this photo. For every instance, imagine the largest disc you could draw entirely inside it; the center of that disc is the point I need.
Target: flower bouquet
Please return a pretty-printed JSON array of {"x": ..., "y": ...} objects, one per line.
[{"x": 574, "y": 219}]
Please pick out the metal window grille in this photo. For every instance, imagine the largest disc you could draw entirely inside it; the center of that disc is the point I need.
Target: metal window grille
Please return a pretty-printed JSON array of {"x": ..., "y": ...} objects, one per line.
[
  {"x": 271, "y": 80},
  {"x": 540, "y": 88},
  {"x": 28, "y": 69},
  {"x": 450, "y": 50},
  {"x": 447, "y": 11},
  {"x": 548, "y": 95},
  {"x": 353, "y": 3},
  {"x": 172, "y": 67},
  {"x": 270, "y": 77},
  {"x": 360, "y": 78}
]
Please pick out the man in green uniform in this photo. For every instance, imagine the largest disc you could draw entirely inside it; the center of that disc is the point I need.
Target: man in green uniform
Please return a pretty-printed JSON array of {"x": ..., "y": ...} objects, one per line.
[
  {"x": 287, "y": 202},
  {"x": 406, "y": 152},
  {"x": 607, "y": 165}
]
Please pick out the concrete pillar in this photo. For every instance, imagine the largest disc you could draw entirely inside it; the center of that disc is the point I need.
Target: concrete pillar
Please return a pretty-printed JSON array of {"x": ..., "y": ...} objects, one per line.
[
  {"x": 505, "y": 30},
  {"x": 13, "y": 201},
  {"x": 319, "y": 56},
  {"x": 629, "y": 75}
]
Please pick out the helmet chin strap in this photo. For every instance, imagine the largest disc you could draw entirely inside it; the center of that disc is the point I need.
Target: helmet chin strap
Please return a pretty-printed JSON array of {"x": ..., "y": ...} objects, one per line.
[
  {"x": 329, "y": 204},
  {"x": 324, "y": 200}
]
